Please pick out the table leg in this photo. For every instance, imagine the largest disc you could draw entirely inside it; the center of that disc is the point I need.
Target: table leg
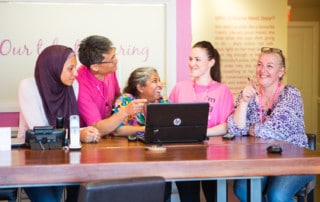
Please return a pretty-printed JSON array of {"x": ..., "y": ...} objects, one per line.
[
  {"x": 255, "y": 193},
  {"x": 255, "y": 189},
  {"x": 221, "y": 190}
]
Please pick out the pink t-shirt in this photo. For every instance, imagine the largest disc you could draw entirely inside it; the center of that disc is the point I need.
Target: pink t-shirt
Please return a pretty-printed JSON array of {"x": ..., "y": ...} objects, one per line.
[
  {"x": 216, "y": 94},
  {"x": 95, "y": 97}
]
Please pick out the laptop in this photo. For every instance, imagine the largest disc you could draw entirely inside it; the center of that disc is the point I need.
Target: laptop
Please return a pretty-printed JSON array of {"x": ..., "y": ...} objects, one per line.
[
  {"x": 17, "y": 142},
  {"x": 176, "y": 123}
]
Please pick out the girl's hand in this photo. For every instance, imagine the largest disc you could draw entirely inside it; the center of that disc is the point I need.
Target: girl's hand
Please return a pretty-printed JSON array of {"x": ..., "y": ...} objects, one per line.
[{"x": 248, "y": 93}]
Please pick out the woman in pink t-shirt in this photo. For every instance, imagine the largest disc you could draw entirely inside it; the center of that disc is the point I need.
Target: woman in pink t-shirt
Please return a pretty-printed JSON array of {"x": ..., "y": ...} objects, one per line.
[{"x": 205, "y": 86}]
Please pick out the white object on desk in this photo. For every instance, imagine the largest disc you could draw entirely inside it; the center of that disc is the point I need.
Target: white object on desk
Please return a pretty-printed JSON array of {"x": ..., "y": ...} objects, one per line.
[
  {"x": 5, "y": 139},
  {"x": 75, "y": 157},
  {"x": 74, "y": 132}
]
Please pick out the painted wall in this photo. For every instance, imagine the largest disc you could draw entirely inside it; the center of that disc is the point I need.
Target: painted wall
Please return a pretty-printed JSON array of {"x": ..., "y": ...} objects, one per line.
[
  {"x": 136, "y": 30},
  {"x": 307, "y": 11},
  {"x": 172, "y": 41},
  {"x": 238, "y": 29}
]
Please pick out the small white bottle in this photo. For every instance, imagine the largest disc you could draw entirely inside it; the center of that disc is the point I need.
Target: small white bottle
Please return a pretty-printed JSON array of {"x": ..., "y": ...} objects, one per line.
[{"x": 74, "y": 132}]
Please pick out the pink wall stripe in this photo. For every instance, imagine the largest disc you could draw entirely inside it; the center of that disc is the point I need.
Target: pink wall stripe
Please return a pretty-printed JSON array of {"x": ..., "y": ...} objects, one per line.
[
  {"x": 9, "y": 119},
  {"x": 184, "y": 38}
]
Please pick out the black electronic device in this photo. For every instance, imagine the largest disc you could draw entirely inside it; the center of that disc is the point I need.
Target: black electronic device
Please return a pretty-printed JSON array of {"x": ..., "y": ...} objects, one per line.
[
  {"x": 228, "y": 136},
  {"x": 274, "y": 149},
  {"x": 132, "y": 138},
  {"x": 176, "y": 123},
  {"x": 45, "y": 138}
]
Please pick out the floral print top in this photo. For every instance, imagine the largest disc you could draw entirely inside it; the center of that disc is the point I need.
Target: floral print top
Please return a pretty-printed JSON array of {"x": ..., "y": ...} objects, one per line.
[
  {"x": 139, "y": 119},
  {"x": 285, "y": 123}
]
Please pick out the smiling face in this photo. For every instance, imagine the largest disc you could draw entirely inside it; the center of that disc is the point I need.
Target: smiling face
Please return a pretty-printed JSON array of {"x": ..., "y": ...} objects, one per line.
[
  {"x": 152, "y": 88},
  {"x": 269, "y": 69},
  {"x": 69, "y": 71},
  {"x": 199, "y": 63}
]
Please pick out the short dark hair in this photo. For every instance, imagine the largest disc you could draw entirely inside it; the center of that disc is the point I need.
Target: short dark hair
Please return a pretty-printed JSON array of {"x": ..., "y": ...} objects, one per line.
[{"x": 91, "y": 49}]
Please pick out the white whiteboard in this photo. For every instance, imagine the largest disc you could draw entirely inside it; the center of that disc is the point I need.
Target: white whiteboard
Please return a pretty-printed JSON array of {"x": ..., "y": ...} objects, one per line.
[{"x": 139, "y": 30}]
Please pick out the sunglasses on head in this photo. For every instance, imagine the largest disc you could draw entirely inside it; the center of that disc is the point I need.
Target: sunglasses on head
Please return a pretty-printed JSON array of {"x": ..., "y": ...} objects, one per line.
[{"x": 270, "y": 50}]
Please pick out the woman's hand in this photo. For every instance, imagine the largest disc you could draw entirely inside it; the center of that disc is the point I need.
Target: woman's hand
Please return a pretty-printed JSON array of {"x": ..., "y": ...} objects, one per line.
[
  {"x": 135, "y": 107},
  {"x": 239, "y": 115},
  {"x": 89, "y": 134},
  {"x": 248, "y": 93}
]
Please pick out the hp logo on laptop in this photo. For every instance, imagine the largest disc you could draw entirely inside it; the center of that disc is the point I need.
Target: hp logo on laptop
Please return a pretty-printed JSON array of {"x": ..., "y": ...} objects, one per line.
[{"x": 177, "y": 122}]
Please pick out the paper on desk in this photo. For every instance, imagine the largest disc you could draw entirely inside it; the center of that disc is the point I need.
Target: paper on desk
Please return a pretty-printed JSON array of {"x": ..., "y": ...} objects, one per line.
[{"x": 5, "y": 138}]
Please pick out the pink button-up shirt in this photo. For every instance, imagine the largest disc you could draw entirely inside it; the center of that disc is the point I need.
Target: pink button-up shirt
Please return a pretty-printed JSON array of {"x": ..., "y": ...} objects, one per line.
[{"x": 95, "y": 97}]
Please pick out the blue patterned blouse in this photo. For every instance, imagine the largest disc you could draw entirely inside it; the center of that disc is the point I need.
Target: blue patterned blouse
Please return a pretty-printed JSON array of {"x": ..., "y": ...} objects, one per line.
[
  {"x": 285, "y": 123},
  {"x": 139, "y": 119}
]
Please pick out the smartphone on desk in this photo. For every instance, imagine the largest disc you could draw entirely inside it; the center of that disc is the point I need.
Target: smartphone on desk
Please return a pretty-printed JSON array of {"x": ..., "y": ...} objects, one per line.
[{"x": 228, "y": 136}]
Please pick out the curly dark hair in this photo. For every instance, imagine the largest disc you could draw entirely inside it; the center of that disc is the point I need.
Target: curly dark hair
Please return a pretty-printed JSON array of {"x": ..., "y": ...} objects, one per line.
[{"x": 92, "y": 48}]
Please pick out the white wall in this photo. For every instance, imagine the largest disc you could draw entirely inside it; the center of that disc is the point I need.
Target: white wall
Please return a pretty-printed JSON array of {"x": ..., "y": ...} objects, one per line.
[{"x": 143, "y": 32}]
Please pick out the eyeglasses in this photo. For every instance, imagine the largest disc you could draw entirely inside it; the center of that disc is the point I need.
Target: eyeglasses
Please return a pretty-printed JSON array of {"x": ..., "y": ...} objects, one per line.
[
  {"x": 109, "y": 62},
  {"x": 270, "y": 50},
  {"x": 112, "y": 53},
  {"x": 112, "y": 61}
]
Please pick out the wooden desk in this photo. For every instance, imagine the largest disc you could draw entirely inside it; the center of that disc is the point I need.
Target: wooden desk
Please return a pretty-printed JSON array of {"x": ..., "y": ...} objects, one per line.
[{"x": 118, "y": 158}]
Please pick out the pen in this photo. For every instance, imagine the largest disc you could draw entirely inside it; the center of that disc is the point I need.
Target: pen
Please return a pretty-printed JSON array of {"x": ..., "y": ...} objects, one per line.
[{"x": 253, "y": 86}]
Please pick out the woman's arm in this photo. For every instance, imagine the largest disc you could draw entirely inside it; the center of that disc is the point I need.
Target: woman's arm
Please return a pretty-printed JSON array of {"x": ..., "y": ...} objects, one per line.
[
  {"x": 127, "y": 130},
  {"x": 31, "y": 109},
  {"x": 129, "y": 125},
  {"x": 238, "y": 123},
  {"x": 220, "y": 129},
  {"x": 240, "y": 113}
]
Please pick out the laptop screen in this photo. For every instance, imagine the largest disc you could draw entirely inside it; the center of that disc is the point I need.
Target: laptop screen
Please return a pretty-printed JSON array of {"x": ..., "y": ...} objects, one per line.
[{"x": 176, "y": 122}]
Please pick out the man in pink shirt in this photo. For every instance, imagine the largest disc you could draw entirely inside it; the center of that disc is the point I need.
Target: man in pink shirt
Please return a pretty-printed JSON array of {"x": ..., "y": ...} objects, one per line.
[{"x": 98, "y": 86}]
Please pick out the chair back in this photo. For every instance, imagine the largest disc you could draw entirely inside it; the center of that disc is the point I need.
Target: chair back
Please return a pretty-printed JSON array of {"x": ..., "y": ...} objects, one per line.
[
  {"x": 308, "y": 190},
  {"x": 9, "y": 194},
  {"x": 140, "y": 189}
]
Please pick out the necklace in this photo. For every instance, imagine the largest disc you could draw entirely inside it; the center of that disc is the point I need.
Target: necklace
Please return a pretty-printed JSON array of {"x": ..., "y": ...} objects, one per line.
[
  {"x": 269, "y": 111},
  {"x": 203, "y": 95}
]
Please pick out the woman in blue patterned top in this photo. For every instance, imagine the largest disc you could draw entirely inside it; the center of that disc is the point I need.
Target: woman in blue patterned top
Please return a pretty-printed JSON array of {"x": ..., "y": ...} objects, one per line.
[
  {"x": 271, "y": 110},
  {"x": 143, "y": 83}
]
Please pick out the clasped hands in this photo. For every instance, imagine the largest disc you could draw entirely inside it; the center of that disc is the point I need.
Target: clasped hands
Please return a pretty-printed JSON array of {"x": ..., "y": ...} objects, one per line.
[{"x": 90, "y": 134}]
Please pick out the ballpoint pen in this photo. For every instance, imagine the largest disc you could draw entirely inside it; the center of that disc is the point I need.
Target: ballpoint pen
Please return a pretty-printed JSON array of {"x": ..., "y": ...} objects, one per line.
[{"x": 254, "y": 87}]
